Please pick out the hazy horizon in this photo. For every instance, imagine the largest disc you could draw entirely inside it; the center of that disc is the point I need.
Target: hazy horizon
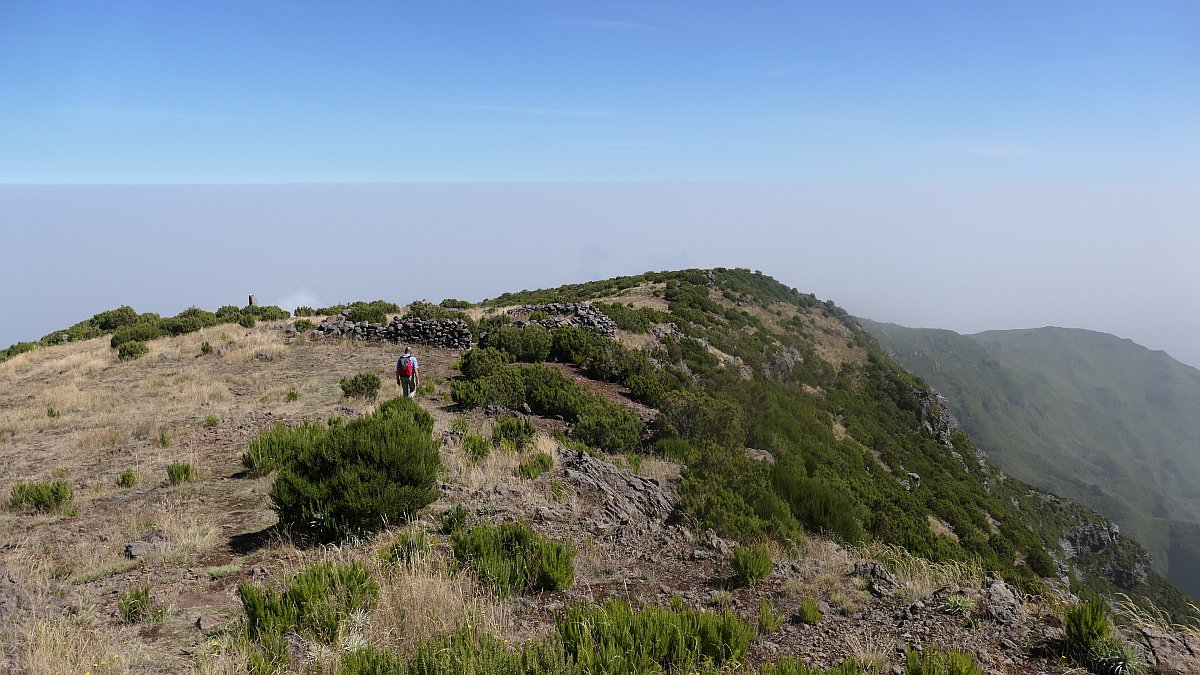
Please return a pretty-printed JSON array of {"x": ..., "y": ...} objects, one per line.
[{"x": 967, "y": 259}]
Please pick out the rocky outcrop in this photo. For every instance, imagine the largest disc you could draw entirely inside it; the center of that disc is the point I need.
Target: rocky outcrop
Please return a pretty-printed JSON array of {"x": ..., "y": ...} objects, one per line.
[
  {"x": 1099, "y": 547},
  {"x": 933, "y": 416},
  {"x": 444, "y": 333},
  {"x": 627, "y": 501},
  {"x": 567, "y": 314}
]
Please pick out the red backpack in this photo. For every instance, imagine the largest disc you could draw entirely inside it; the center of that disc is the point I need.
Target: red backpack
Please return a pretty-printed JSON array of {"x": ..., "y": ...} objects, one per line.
[{"x": 406, "y": 366}]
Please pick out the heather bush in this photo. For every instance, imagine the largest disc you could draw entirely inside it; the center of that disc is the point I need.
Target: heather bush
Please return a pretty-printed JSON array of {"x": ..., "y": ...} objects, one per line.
[
  {"x": 512, "y": 558},
  {"x": 535, "y": 465},
  {"x": 279, "y": 445},
  {"x": 132, "y": 350},
  {"x": 303, "y": 326},
  {"x": 360, "y": 476},
  {"x": 937, "y": 662},
  {"x": 808, "y": 612},
  {"x": 752, "y": 565},
  {"x": 362, "y": 385},
  {"x": 179, "y": 472},
  {"x": 52, "y": 497},
  {"x": 127, "y": 479},
  {"x": 314, "y": 603},
  {"x": 481, "y": 362},
  {"x": 518, "y": 430},
  {"x": 530, "y": 343},
  {"x": 477, "y": 447},
  {"x": 453, "y": 519}
]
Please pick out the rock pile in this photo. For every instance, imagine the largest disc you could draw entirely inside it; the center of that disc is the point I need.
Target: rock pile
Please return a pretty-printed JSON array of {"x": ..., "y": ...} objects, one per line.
[
  {"x": 629, "y": 501},
  {"x": 444, "y": 333},
  {"x": 569, "y": 314}
]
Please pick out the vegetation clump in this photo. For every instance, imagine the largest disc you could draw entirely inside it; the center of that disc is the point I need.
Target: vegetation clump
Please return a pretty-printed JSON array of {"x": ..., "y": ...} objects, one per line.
[
  {"x": 135, "y": 606},
  {"x": 129, "y": 351},
  {"x": 517, "y": 430},
  {"x": 52, "y": 497},
  {"x": 752, "y": 565},
  {"x": 808, "y": 612},
  {"x": 314, "y": 603},
  {"x": 530, "y": 343},
  {"x": 179, "y": 472},
  {"x": 938, "y": 662},
  {"x": 410, "y": 548},
  {"x": 360, "y": 476},
  {"x": 279, "y": 445},
  {"x": 453, "y": 519},
  {"x": 362, "y": 385},
  {"x": 512, "y": 558},
  {"x": 127, "y": 479},
  {"x": 535, "y": 465}
]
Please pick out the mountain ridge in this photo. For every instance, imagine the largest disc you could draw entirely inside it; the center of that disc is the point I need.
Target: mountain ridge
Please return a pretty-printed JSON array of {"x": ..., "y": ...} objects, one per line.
[
  {"x": 1083, "y": 413},
  {"x": 769, "y": 418}
]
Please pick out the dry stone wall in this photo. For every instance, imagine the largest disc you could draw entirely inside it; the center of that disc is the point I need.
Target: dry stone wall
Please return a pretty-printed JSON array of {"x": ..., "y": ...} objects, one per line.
[
  {"x": 444, "y": 333},
  {"x": 568, "y": 314}
]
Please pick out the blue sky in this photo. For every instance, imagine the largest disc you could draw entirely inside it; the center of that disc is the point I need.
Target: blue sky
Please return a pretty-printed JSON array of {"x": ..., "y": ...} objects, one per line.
[
  {"x": 965, "y": 165},
  {"x": 283, "y": 91}
]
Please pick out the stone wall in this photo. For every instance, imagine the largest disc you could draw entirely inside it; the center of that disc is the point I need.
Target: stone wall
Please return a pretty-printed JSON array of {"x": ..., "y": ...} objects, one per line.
[
  {"x": 444, "y": 333},
  {"x": 567, "y": 314}
]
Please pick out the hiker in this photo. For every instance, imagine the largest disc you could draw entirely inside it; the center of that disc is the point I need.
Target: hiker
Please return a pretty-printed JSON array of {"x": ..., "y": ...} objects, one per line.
[{"x": 408, "y": 374}]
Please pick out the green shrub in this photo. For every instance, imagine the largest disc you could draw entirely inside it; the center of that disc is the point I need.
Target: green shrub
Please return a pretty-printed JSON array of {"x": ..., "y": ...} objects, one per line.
[
  {"x": 52, "y": 412},
  {"x": 205, "y": 347},
  {"x": 134, "y": 604},
  {"x": 460, "y": 425},
  {"x": 768, "y": 620},
  {"x": 115, "y": 318},
  {"x": 818, "y": 505},
  {"x": 362, "y": 385},
  {"x": 292, "y": 396},
  {"x": 512, "y": 558},
  {"x": 375, "y": 311},
  {"x": 477, "y": 447},
  {"x": 559, "y": 491},
  {"x": 752, "y": 565},
  {"x": 52, "y": 497},
  {"x": 959, "y": 604},
  {"x": 535, "y": 465},
  {"x": 615, "y": 638},
  {"x": 481, "y": 362},
  {"x": 454, "y": 303},
  {"x": 179, "y": 472},
  {"x": 127, "y": 479},
  {"x": 164, "y": 441},
  {"x": 18, "y": 348},
  {"x": 808, "y": 612},
  {"x": 279, "y": 445},
  {"x": 938, "y": 662},
  {"x": 1086, "y": 626},
  {"x": 302, "y": 326},
  {"x": 516, "y": 429},
  {"x": 189, "y": 320},
  {"x": 246, "y": 321},
  {"x": 129, "y": 351},
  {"x": 314, "y": 603},
  {"x": 211, "y": 421},
  {"x": 530, "y": 343},
  {"x": 453, "y": 519},
  {"x": 407, "y": 549},
  {"x": 360, "y": 476},
  {"x": 137, "y": 333}
]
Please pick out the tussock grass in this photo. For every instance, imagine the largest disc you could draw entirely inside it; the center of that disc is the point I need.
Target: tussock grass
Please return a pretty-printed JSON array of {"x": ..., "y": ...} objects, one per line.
[
  {"x": 921, "y": 577},
  {"x": 54, "y": 646}
]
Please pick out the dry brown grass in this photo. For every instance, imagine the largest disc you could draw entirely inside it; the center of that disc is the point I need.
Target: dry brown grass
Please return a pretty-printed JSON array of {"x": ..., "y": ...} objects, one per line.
[
  {"x": 56, "y": 646},
  {"x": 921, "y": 577}
]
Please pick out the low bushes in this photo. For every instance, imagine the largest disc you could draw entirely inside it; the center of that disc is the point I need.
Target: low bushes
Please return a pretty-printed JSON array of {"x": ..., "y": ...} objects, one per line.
[
  {"x": 808, "y": 612},
  {"x": 129, "y": 351},
  {"x": 360, "y": 476},
  {"x": 135, "y": 333},
  {"x": 512, "y": 558},
  {"x": 409, "y": 548},
  {"x": 179, "y": 472},
  {"x": 615, "y": 637},
  {"x": 938, "y": 662},
  {"x": 277, "y": 446},
  {"x": 535, "y": 465},
  {"x": 1093, "y": 643},
  {"x": 752, "y": 565},
  {"x": 530, "y": 343},
  {"x": 517, "y": 430},
  {"x": 548, "y": 392},
  {"x": 52, "y": 497},
  {"x": 362, "y": 385},
  {"x": 314, "y": 603}
]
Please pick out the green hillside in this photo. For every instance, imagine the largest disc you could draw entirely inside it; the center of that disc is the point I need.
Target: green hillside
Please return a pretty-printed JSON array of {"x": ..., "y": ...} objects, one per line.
[{"x": 1082, "y": 414}]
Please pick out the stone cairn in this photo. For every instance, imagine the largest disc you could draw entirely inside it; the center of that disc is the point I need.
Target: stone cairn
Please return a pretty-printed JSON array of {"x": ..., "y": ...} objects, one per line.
[
  {"x": 443, "y": 333},
  {"x": 568, "y": 314}
]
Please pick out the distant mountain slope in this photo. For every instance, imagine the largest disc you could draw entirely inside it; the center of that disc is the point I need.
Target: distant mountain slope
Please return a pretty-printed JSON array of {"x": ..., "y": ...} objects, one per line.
[{"x": 1083, "y": 414}]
